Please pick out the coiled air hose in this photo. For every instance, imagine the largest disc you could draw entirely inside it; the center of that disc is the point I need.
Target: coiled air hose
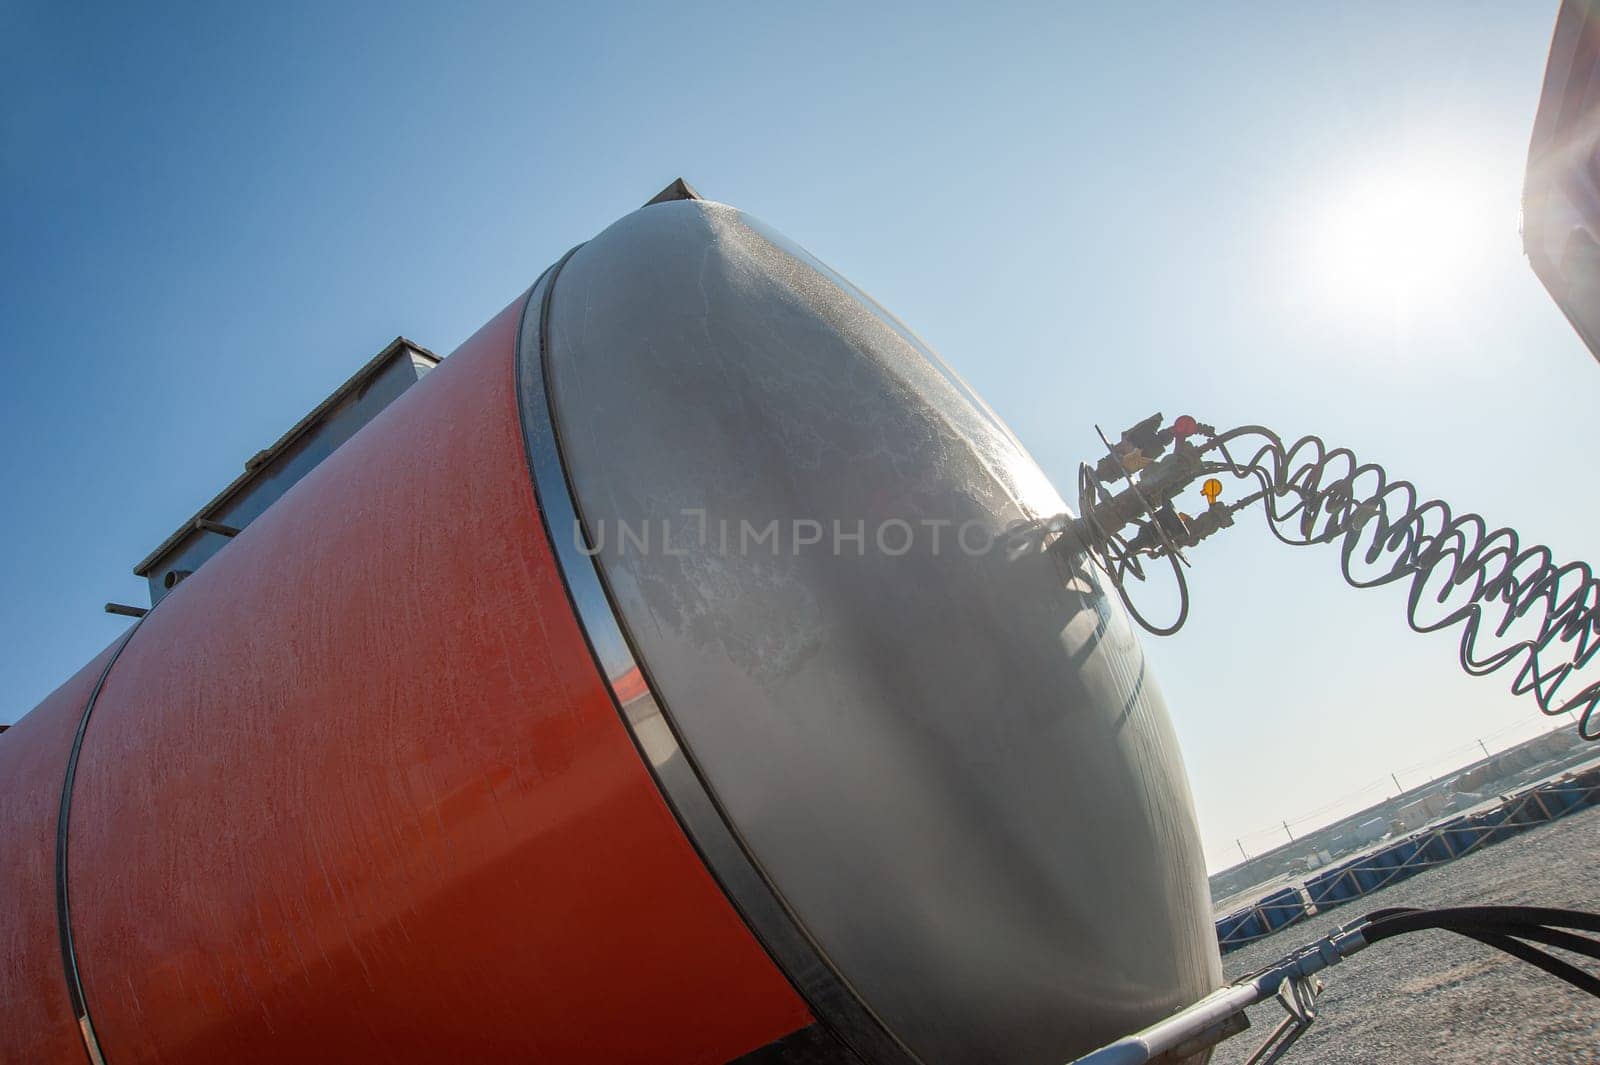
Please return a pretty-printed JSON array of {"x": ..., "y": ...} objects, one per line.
[{"x": 1516, "y": 605}]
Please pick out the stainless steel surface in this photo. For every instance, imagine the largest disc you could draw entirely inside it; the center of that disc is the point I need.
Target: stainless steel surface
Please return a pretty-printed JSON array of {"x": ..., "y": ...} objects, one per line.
[
  {"x": 952, "y": 764},
  {"x": 834, "y": 1004}
]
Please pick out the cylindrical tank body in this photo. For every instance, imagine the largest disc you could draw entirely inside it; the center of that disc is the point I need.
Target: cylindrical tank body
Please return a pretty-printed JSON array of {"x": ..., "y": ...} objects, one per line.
[{"x": 681, "y": 672}]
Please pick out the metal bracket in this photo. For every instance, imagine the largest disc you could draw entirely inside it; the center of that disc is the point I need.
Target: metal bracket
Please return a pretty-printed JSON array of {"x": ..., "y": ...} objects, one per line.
[
  {"x": 1298, "y": 996},
  {"x": 1155, "y": 519},
  {"x": 1220, "y": 1014}
]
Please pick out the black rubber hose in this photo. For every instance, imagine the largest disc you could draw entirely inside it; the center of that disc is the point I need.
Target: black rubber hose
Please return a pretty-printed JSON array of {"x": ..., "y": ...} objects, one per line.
[
  {"x": 1406, "y": 919},
  {"x": 1504, "y": 928}
]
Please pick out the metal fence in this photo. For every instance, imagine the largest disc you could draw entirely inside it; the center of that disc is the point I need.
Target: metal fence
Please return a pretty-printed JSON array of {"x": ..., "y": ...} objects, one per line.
[{"x": 1404, "y": 857}]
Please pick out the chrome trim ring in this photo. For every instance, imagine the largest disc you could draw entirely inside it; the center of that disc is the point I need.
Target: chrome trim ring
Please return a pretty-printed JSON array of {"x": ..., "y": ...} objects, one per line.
[
  {"x": 69, "y": 952},
  {"x": 832, "y": 1001}
]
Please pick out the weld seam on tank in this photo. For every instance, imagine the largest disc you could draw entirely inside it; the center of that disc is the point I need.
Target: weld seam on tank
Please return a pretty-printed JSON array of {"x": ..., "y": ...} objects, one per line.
[
  {"x": 69, "y": 955},
  {"x": 705, "y": 824}
]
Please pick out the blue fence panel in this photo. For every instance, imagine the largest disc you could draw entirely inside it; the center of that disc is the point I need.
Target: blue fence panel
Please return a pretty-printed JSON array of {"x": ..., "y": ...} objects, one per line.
[
  {"x": 1338, "y": 884},
  {"x": 1282, "y": 908},
  {"x": 1526, "y": 810},
  {"x": 1563, "y": 797},
  {"x": 1377, "y": 870},
  {"x": 1332, "y": 887},
  {"x": 1237, "y": 929},
  {"x": 1494, "y": 825},
  {"x": 1460, "y": 835},
  {"x": 1404, "y": 852},
  {"x": 1439, "y": 844}
]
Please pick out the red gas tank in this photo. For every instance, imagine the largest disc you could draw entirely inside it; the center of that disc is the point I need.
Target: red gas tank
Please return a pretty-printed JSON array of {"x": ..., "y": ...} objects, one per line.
[{"x": 684, "y": 671}]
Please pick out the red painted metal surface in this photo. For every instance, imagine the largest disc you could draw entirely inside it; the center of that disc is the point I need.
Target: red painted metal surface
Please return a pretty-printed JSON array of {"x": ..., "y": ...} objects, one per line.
[
  {"x": 39, "y": 1025},
  {"x": 356, "y": 791}
]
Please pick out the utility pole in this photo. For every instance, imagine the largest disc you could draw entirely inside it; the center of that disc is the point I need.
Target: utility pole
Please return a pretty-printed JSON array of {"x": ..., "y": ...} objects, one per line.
[
  {"x": 1242, "y": 854},
  {"x": 1398, "y": 789},
  {"x": 1287, "y": 832},
  {"x": 1485, "y": 749}
]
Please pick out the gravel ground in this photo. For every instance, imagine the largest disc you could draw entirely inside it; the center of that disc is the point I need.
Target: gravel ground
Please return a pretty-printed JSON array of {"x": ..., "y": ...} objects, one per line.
[{"x": 1439, "y": 997}]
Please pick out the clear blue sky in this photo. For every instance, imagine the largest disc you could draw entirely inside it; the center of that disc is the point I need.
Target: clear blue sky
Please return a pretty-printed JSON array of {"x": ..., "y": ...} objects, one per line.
[{"x": 210, "y": 216}]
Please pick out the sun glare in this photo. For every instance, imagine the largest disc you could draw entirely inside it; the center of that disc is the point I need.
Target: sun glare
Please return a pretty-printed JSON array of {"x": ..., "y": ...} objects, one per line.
[{"x": 1400, "y": 242}]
